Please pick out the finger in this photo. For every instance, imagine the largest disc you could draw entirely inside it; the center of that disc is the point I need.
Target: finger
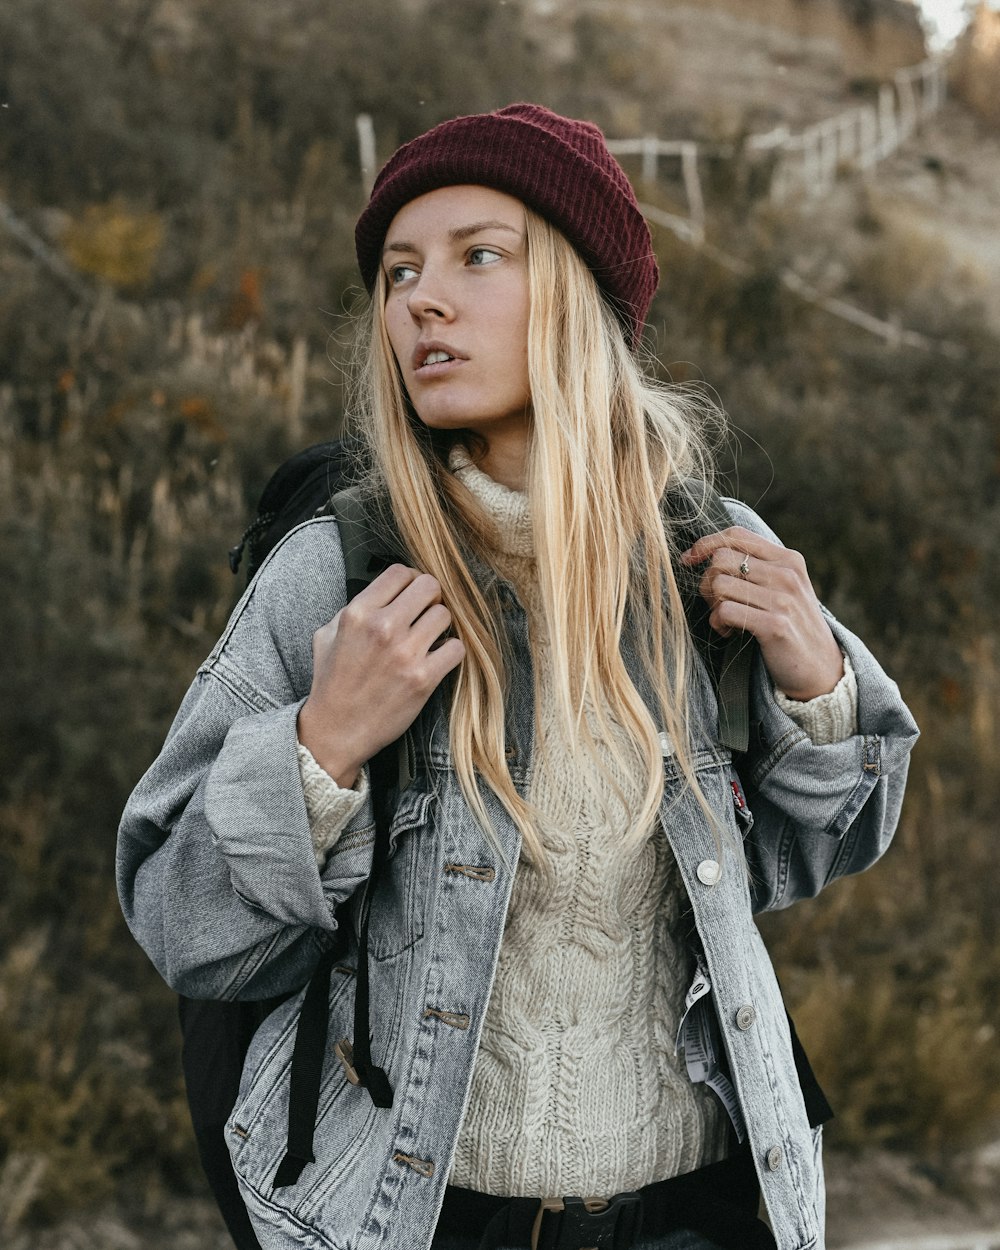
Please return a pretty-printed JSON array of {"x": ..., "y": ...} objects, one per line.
[
  {"x": 414, "y": 599},
  {"x": 729, "y": 617},
  {"x": 724, "y": 587},
  {"x": 444, "y": 658},
  {"x": 429, "y": 627},
  {"x": 726, "y": 561},
  {"x": 383, "y": 590},
  {"x": 735, "y": 538}
]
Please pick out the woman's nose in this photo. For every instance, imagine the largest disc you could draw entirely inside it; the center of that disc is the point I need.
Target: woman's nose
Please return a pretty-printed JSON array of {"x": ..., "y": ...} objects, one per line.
[{"x": 429, "y": 298}]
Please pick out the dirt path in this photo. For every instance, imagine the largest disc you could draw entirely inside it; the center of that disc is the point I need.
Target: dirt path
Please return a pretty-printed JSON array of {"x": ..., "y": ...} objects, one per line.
[{"x": 883, "y": 1201}]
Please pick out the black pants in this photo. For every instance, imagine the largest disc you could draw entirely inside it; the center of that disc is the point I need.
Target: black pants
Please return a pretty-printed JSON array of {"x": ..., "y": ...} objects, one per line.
[{"x": 715, "y": 1206}]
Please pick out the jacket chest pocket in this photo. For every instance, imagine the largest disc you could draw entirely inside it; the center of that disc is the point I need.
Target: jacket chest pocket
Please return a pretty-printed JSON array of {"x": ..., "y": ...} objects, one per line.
[{"x": 397, "y": 913}]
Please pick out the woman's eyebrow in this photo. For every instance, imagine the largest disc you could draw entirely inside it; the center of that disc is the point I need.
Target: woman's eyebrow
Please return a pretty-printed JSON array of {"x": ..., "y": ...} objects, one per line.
[
  {"x": 464, "y": 232},
  {"x": 456, "y": 234}
]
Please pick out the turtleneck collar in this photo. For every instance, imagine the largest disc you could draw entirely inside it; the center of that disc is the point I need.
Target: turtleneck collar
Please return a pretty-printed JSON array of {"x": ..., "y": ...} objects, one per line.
[{"x": 507, "y": 511}]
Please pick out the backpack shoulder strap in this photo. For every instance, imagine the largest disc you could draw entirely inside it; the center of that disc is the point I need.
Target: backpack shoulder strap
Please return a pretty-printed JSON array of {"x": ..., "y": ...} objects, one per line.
[
  {"x": 697, "y": 509},
  {"x": 368, "y": 549}
]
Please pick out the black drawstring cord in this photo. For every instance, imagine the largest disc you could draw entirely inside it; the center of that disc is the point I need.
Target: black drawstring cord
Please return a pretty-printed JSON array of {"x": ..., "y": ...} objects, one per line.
[
  {"x": 306, "y": 1075},
  {"x": 383, "y": 781},
  {"x": 249, "y": 538},
  {"x": 311, "y": 1030}
]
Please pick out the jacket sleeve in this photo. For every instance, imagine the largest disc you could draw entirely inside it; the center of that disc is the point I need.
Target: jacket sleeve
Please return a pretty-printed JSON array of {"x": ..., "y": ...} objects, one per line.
[
  {"x": 821, "y": 811},
  {"x": 217, "y": 873}
]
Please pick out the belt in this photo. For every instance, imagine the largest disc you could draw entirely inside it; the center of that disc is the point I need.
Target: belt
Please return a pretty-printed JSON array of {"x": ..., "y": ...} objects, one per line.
[{"x": 719, "y": 1201}]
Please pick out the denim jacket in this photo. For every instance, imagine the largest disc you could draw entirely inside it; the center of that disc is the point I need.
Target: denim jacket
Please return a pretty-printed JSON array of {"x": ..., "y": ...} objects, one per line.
[{"x": 219, "y": 884}]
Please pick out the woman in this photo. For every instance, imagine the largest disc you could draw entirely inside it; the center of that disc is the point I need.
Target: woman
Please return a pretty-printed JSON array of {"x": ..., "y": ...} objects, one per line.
[{"x": 569, "y": 998}]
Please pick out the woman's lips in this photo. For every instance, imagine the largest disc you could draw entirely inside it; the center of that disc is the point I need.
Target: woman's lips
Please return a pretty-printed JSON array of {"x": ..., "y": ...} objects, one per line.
[
  {"x": 439, "y": 369},
  {"x": 433, "y": 355}
]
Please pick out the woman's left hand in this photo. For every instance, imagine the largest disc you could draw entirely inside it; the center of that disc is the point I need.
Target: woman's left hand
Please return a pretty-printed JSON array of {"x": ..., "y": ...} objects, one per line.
[{"x": 759, "y": 586}]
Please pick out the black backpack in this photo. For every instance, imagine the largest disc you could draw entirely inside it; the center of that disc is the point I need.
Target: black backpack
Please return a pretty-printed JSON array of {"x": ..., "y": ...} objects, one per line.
[{"x": 216, "y": 1035}]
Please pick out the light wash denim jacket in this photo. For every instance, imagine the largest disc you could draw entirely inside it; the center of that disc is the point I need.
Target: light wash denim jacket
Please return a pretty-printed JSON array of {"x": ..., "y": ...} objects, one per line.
[{"x": 219, "y": 884}]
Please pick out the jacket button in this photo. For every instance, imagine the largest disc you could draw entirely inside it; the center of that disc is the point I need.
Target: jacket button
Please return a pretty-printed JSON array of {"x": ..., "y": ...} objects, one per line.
[
  {"x": 709, "y": 872},
  {"x": 511, "y": 753},
  {"x": 745, "y": 1018},
  {"x": 775, "y": 1158}
]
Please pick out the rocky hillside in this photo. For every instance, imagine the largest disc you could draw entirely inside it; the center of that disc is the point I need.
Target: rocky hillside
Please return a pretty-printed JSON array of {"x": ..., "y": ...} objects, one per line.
[
  {"x": 721, "y": 66},
  {"x": 941, "y": 189},
  {"x": 976, "y": 65},
  {"x": 729, "y": 68},
  {"x": 873, "y": 37}
]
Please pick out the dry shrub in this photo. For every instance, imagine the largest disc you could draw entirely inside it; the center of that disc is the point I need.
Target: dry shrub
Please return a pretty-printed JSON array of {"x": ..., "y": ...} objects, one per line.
[
  {"x": 117, "y": 507},
  {"x": 904, "y": 273},
  {"x": 115, "y": 243},
  {"x": 893, "y": 976},
  {"x": 904, "y": 1035}
]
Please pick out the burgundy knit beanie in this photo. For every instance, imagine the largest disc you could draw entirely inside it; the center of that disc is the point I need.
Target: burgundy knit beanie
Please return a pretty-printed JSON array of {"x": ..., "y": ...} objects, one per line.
[{"x": 559, "y": 167}]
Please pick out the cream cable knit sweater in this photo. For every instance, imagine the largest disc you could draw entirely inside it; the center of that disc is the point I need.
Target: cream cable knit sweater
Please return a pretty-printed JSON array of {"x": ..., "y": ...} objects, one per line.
[{"x": 577, "y": 1088}]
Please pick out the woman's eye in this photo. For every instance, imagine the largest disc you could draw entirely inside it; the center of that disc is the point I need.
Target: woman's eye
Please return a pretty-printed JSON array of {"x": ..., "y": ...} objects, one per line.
[
  {"x": 483, "y": 256},
  {"x": 400, "y": 273}
]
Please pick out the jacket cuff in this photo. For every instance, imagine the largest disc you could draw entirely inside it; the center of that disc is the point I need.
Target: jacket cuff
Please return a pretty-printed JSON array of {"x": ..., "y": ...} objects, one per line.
[
  {"x": 828, "y": 718},
  {"x": 329, "y": 806}
]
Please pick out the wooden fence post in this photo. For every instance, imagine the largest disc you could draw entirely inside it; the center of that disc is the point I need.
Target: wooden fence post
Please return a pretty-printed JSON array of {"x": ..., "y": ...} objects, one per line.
[
  {"x": 907, "y": 103},
  {"x": 888, "y": 134},
  {"x": 846, "y": 137},
  {"x": 812, "y": 158},
  {"x": 933, "y": 85},
  {"x": 650, "y": 152},
  {"x": 692, "y": 185},
  {"x": 828, "y": 153},
  {"x": 868, "y": 128},
  {"x": 366, "y": 150}
]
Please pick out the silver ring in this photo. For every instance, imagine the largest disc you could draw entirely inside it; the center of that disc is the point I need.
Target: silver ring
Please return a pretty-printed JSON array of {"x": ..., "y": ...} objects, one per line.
[{"x": 745, "y": 566}]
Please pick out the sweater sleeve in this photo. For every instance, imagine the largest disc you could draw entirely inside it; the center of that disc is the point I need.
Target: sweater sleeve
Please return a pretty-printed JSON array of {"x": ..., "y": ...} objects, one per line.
[
  {"x": 830, "y": 717},
  {"x": 329, "y": 807}
]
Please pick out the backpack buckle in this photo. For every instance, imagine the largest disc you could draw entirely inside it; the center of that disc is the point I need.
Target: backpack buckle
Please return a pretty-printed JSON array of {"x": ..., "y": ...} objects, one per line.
[
  {"x": 587, "y": 1223},
  {"x": 345, "y": 1053}
]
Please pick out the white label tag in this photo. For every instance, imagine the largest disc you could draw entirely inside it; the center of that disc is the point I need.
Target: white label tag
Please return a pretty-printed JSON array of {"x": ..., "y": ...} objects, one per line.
[
  {"x": 700, "y": 986},
  {"x": 696, "y": 1042},
  {"x": 723, "y": 1087},
  {"x": 697, "y": 1037}
]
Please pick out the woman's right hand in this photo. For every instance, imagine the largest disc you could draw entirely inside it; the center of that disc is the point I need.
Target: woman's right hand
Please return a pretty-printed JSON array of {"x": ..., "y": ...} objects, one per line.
[{"x": 375, "y": 665}]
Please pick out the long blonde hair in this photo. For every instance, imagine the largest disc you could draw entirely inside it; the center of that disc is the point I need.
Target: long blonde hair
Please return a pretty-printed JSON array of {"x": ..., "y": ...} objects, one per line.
[{"x": 606, "y": 443}]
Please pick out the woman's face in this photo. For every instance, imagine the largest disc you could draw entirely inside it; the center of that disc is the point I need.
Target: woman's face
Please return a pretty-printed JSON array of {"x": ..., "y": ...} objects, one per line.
[{"x": 457, "y": 311}]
